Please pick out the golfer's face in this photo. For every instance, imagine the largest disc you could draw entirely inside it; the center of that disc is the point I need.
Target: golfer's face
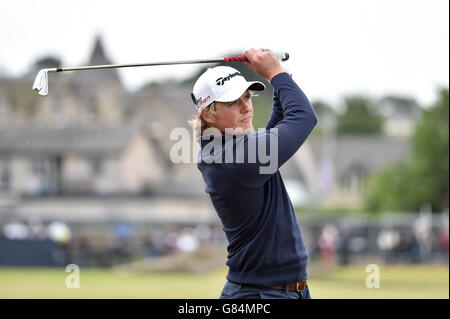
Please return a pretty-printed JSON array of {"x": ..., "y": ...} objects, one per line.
[{"x": 235, "y": 115}]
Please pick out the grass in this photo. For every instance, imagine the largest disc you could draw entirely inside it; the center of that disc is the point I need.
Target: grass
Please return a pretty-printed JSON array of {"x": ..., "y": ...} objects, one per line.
[
  {"x": 416, "y": 282},
  {"x": 396, "y": 282}
]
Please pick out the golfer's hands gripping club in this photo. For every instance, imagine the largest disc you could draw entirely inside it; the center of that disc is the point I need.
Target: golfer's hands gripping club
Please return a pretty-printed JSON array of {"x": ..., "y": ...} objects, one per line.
[{"x": 263, "y": 63}]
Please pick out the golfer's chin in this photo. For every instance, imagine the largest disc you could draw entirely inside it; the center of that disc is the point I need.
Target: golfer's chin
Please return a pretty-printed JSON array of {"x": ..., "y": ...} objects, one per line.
[
  {"x": 245, "y": 129},
  {"x": 240, "y": 129}
]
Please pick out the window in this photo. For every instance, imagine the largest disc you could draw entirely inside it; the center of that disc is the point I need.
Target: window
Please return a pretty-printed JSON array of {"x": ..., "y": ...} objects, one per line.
[
  {"x": 354, "y": 177},
  {"x": 4, "y": 174},
  {"x": 96, "y": 165},
  {"x": 5, "y": 110}
]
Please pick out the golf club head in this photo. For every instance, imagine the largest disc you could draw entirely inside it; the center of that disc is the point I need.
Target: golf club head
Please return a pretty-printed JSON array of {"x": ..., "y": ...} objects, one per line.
[{"x": 40, "y": 85}]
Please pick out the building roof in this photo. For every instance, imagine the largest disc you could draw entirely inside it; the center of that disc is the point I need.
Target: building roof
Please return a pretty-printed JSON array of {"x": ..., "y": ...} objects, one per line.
[
  {"x": 40, "y": 140},
  {"x": 97, "y": 77},
  {"x": 370, "y": 152}
]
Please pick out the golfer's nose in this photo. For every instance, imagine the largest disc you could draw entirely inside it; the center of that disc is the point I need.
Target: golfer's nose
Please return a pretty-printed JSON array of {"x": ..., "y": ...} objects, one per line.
[{"x": 246, "y": 106}]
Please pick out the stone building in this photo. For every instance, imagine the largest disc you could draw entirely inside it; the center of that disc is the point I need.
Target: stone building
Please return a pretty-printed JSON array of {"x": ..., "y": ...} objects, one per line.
[{"x": 89, "y": 136}]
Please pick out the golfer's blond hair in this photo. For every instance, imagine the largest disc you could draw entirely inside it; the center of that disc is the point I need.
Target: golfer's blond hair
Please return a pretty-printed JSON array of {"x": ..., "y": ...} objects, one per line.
[{"x": 199, "y": 124}]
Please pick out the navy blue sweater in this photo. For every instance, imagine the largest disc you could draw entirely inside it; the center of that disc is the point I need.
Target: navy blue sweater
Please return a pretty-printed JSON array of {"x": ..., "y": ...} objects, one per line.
[{"x": 266, "y": 246}]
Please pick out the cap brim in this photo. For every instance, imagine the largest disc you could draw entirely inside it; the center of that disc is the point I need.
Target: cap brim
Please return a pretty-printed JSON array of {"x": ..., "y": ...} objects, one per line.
[{"x": 236, "y": 92}]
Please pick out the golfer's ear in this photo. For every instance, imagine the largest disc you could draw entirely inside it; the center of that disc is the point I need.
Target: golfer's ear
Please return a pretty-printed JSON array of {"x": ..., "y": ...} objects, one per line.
[{"x": 206, "y": 115}]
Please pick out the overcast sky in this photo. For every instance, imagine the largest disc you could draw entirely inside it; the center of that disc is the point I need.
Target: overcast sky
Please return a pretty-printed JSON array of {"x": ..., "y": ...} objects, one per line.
[{"x": 337, "y": 48}]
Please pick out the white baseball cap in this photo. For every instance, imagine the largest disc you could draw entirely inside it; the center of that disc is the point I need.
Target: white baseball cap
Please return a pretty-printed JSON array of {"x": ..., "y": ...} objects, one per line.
[{"x": 221, "y": 84}]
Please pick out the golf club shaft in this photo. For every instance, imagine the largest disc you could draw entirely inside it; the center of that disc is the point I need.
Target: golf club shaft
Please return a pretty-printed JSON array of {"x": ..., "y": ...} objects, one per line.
[
  {"x": 114, "y": 66},
  {"x": 283, "y": 57}
]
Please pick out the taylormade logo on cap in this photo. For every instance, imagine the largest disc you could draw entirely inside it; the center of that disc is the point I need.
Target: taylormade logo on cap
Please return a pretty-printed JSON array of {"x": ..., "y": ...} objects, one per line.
[
  {"x": 221, "y": 81},
  {"x": 221, "y": 84}
]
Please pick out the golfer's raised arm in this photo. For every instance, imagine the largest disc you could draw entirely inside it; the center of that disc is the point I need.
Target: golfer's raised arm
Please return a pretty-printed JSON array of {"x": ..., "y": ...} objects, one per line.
[
  {"x": 299, "y": 118},
  {"x": 277, "y": 112},
  {"x": 293, "y": 116}
]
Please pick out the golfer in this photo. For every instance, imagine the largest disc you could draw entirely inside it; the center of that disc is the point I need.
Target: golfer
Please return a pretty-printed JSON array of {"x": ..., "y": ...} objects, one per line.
[{"x": 267, "y": 257}]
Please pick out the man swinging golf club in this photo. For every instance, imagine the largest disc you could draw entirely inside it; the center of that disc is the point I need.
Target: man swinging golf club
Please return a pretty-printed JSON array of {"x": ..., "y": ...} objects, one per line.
[{"x": 267, "y": 257}]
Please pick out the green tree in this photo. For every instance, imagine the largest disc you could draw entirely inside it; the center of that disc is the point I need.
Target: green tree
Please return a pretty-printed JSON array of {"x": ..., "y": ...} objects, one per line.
[
  {"x": 423, "y": 177},
  {"x": 430, "y": 153},
  {"x": 393, "y": 189},
  {"x": 359, "y": 117}
]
